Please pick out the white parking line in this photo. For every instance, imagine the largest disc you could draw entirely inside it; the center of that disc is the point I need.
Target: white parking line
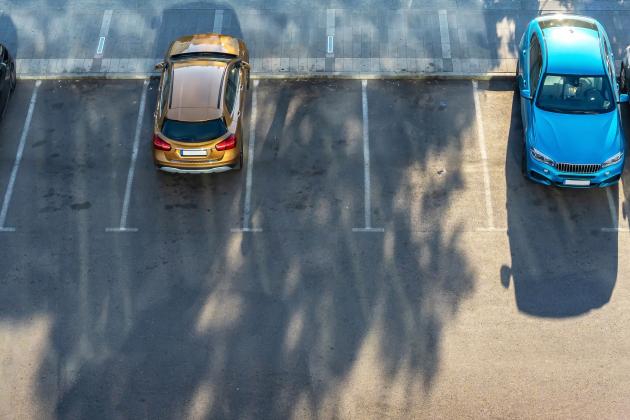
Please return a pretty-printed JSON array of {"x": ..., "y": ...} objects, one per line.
[
  {"x": 247, "y": 206},
  {"x": 18, "y": 158},
  {"x": 102, "y": 36},
  {"x": 445, "y": 38},
  {"x": 481, "y": 136},
  {"x": 366, "y": 165},
  {"x": 217, "y": 28},
  {"x": 615, "y": 211},
  {"x": 132, "y": 167}
]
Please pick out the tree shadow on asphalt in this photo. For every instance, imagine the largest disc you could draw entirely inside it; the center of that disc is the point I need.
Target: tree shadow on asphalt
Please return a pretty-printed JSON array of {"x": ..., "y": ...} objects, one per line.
[
  {"x": 310, "y": 318},
  {"x": 195, "y": 18},
  {"x": 563, "y": 262},
  {"x": 8, "y": 33},
  {"x": 307, "y": 318}
]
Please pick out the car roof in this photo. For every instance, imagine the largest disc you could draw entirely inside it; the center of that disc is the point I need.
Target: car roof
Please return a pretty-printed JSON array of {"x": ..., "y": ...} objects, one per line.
[
  {"x": 573, "y": 49},
  {"x": 195, "y": 89},
  {"x": 200, "y": 43}
]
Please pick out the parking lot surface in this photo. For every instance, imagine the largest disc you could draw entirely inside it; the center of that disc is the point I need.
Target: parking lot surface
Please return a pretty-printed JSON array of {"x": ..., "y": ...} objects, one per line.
[{"x": 387, "y": 260}]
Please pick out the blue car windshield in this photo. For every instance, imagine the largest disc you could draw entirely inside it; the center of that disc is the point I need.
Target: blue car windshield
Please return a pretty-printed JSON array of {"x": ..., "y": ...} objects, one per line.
[{"x": 569, "y": 94}]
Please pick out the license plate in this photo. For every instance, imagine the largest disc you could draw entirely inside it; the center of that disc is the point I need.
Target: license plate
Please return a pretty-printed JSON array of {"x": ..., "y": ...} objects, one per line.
[
  {"x": 193, "y": 152},
  {"x": 577, "y": 182}
]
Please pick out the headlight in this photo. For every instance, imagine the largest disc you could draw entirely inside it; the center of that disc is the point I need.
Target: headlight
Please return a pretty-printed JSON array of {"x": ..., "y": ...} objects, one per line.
[
  {"x": 613, "y": 160},
  {"x": 541, "y": 157}
]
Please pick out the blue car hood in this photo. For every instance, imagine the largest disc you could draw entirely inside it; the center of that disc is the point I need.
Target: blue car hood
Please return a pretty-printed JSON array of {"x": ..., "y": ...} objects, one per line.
[{"x": 577, "y": 138}]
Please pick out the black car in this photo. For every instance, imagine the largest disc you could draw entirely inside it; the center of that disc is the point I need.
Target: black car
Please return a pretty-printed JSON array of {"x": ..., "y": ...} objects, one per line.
[{"x": 7, "y": 78}]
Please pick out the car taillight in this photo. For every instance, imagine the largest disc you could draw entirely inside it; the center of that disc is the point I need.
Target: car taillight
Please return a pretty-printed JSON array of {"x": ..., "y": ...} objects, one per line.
[
  {"x": 160, "y": 144},
  {"x": 227, "y": 144}
]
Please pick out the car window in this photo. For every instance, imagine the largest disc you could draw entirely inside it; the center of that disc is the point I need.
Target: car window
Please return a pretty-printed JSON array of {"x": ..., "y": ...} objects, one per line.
[
  {"x": 535, "y": 63},
  {"x": 572, "y": 94},
  {"x": 165, "y": 88},
  {"x": 609, "y": 65},
  {"x": 231, "y": 88},
  {"x": 192, "y": 132}
]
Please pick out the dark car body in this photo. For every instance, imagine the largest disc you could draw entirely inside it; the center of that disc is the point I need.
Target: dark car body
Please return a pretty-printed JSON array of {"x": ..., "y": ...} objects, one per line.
[{"x": 7, "y": 78}]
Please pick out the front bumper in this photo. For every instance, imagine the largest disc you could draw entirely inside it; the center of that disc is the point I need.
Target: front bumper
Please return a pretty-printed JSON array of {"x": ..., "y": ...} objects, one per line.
[{"x": 548, "y": 175}]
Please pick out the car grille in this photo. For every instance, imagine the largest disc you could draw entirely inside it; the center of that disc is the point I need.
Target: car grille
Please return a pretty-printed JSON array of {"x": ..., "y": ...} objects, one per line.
[{"x": 578, "y": 168}]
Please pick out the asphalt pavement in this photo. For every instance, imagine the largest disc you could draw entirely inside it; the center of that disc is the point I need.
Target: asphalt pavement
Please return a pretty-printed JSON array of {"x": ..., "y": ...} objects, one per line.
[{"x": 387, "y": 260}]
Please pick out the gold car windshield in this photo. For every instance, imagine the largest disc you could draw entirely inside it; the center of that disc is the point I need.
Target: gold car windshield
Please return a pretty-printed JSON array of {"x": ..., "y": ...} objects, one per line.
[{"x": 194, "y": 132}]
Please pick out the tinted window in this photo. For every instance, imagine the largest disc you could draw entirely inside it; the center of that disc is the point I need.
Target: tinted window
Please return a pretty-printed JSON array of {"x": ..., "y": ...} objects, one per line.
[
  {"x": 165, "y": 88},
  {"x": 231, "y": 89},
  {"x": 535, "y": 63},
  {"x": 576, "y": 94},
  {"x": 575, "y": 23},
  {"x": 194, "y": 132}
]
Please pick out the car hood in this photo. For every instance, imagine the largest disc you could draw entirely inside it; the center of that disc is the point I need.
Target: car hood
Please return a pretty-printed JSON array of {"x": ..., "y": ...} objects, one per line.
[{"x": 577, "y": 138}]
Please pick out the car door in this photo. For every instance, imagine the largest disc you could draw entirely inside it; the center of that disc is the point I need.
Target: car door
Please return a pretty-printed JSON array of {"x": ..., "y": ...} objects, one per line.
[
  {"x": 534, "y": 70},
  {"x": 5, "y": 85},
  {"x": 522, "y": 75},
  {"x": 232, "y": 102},
  {"x": 163, "y": 94}
]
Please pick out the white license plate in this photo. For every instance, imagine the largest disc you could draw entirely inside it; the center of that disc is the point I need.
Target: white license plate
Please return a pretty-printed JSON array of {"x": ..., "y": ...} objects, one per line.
[
  {"x": 577, "y": 182},
  {"x": 193, "y": 152}
]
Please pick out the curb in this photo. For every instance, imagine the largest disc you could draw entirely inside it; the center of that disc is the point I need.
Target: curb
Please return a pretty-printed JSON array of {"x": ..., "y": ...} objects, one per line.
[{"x": 284, "y": 76}]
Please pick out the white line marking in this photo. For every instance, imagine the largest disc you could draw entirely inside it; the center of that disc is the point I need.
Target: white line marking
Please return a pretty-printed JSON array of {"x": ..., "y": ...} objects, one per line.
[
  {"x": 614, "y": 216},
  {"x": 623, "y": 218},
  {"x": 247, "y": 206},
  {"x": 217, "y": 28},
  {"x": 101, "y": 46},
  {"x": 369, "y": 230},
  {"x": 132, "y": 167},
  {"x": 121, "y": 230},
  {"x": 366, "y": 165},
  {"x": 491, "y": 229},
  {"x": 18, "y": 158},
  {"x": 330, "y": 32},
  {"x": 481, "y": 135},
  {"x": 444, "y": 35},
  {"x": 107, "y": 20}
]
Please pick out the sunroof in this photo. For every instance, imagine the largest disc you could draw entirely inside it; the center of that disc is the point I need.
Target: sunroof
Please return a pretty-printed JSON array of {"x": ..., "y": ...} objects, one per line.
[{"x": 575, "y": 23}]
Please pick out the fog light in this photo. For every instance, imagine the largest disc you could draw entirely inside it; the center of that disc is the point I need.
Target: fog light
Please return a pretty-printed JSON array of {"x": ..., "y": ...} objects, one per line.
[{"x": 607, "y": 173}]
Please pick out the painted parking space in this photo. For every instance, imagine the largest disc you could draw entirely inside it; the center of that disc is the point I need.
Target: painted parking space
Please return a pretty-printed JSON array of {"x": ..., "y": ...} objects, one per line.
[
  {"x": 309, "y": 159},
  {"x": 168, "y": 202},
  {"x": 14, "y": 137},
  {"x": 547, "y": 224},
  {"x": 76, "y": 156},
  {"x": 427, "y": 172}
]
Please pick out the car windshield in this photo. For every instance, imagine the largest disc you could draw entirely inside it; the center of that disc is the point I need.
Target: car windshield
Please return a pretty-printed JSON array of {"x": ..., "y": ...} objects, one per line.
[
  {"x": 193, "y": 132},
  {"x": 571, "y": 94}
]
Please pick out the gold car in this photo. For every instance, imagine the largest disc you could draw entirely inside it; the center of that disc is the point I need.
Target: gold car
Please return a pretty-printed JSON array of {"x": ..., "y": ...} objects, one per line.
[{"x": 201, "y": 98}]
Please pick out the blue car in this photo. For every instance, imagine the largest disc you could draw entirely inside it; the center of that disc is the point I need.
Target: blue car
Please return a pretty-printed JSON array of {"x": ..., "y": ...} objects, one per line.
[{"x": 569, "y": 103}]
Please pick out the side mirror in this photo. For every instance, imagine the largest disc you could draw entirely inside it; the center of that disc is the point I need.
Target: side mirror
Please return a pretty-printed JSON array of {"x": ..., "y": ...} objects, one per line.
[
  {"x": 160, "y": 66},
  {"x": 624, "y": 98}
]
